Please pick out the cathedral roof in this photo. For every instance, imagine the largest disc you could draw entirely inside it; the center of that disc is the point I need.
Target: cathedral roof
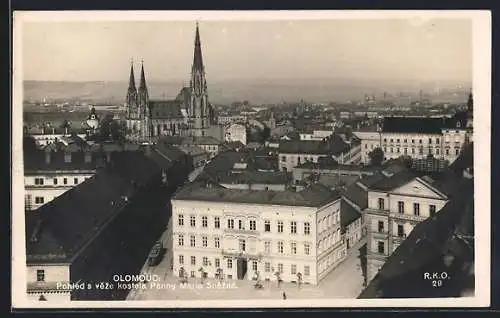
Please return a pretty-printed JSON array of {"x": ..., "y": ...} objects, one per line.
[
  {"x": 197, "y": 58},
  {"x": 166, "y": 109}
]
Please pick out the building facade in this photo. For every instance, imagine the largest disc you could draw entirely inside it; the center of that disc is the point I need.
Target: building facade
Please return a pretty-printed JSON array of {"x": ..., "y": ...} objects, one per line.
[
  {"x": 236, "y": 132},
  {"x": 48, "y": 282},
  {"x": 265, "y": 240},
  {"x": 395, "y": 206}
]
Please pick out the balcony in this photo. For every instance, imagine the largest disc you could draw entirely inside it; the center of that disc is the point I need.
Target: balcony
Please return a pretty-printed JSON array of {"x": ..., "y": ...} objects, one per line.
[
  {"x": 247, "y": 254},
  {"x": 241, "y": 232},
  {"x": 408, "y": 217},
  {"x": 380, "y": 234},
  {"x": 398, "y": 239}
]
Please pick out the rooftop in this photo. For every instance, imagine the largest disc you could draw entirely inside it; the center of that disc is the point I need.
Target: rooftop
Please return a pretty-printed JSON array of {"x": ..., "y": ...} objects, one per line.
[
  {"x": 166, "y": 109},
  {"x": 449, "y": 233},
  {"x": 314, "y": 196},
  {"x": 61, "y": 228},
  {"x": 423, "y": 125},
  {"x": 255, "y": 177},
  {"x": 348, "y": 214}
]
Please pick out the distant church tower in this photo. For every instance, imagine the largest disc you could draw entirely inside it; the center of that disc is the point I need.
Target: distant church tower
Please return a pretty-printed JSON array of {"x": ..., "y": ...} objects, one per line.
[
  {"x": 131, "y": 99},
  {"x": 143, "y": 103},
  {"x": 470, "y": 110},
  {"x": 199, "y": 111}
]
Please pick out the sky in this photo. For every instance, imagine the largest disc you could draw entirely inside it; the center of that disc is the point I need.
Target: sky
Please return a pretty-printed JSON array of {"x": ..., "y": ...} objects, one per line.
[{"x": 382, "y": 49}]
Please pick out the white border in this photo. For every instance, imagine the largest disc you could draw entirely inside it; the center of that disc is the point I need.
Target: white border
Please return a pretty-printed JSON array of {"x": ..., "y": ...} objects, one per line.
[{"x": 482, "y": 126}]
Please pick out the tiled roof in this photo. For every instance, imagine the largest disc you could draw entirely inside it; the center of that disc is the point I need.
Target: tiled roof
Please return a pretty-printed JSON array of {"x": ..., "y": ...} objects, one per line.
[
  {"x": 450, "y": 232},
  {"x": 303, "y": 147},
  {"x": 75, "y": 217},
  {"x": 166, "y": 109},
  {"x": 255, "y": 177},
  {"x": 201, "y": 140},
  {"x": 313, "y": 196},
  {"x": 36, "y": 161},
  {"x": 425, "y": 125},
  {"x": 396, "y": 181}
]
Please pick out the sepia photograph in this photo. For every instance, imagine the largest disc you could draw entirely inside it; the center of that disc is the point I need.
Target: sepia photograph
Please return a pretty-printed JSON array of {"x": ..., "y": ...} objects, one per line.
[{"x": 251, "y": 159}]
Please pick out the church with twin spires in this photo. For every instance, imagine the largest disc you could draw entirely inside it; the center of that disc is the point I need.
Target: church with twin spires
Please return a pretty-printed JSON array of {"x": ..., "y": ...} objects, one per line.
[{"x": 189, "y": 114}]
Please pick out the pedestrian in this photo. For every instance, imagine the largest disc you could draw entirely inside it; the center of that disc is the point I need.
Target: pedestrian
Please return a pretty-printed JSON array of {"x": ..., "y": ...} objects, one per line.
[{"x": 284, "y": 295}]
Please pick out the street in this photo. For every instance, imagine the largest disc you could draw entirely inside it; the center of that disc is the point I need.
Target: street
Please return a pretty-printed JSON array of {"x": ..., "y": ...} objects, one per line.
[{"x": 345, "y": 281}]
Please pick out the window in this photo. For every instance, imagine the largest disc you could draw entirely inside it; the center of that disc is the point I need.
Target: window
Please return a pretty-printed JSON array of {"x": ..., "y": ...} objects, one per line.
[
  {"x": 242, "y": 245},
  {"x": 430, "y": 140},
  {"x": 253, "y": 225},
  {"x": 401, "y": 230},
  {"x": 457, "y": 151},
  {"x": 283, "y": 159},
  {"x": 397, "y": 140},
  {"x": 416, "y": 209},
  {"x": 447, "y": 152},
  {"x": 181, "y": 240},
  {"x": 381, "y": 247},
  {"x": 381, "y": 226},
  {"x": 192, "y": 241},
  {"x": 180, "y": 220},
  {"x": 392, "y": 150},
  {"x": 293, "y": 247},
  {"x": 413, "y": 141},
  {"x": 254, "y": 266},
  {"x": 412, "y": 150},
  {"x": 192, "y": 221},
  {"x": 280, "y": 226},
  {"x": 39, "y": 200},
  {"x": 217, "y": 263},
  {"x": 293, "y": 269},
  {"x": 267, "y": 267},
  {"x": 65, "y": 180},
  {"x": 75, "y": 180},
  {"x": 280, "y": 247},
  {"x": 293, "y": 227},
  {"x": 432, "y": 210},
  {"x": 205, "y": 261},
  {"x": 437, "y": 141},
  {"x": 241, "y": 225},
  {"x": 280, "y": 268},
  {"x": 193, "y": 260},
  {"x": 204, "y": 240},
  {"x": 307, "y": 248},
  {"x": 267, "y": 226},
  {"x": 267, "y": 247},
  {"x": 181, "y": 259},
  {"x": 397, "y": 150},
  {"x": 381, "y": 204},
  {"x": 401, "y": 207},
  {"x": 229, "y": 263},
  {"x": 55, "y": 181},
  {"x": 204, "y": 221},
  {"x": 39, "y": 181},
  {"x": 192, "y": 274},
  {"x": 217, "y": 222},
  {"x": 307, "y": 270},
  {"x": 437, "y": 151},
  {"x": 406, "y": 140},
  {"x": 405, "y": 151},
  {"x": 307, "y": 228},
  {"x": 217, "y": 242},
  {"x": 230, "y": 224},
  {"x": 385, "y": 139},
  {"x": 40, "y": 275},
  {"x": 392, "y": 140},
  {"x": 421, "y": 150},
  {"x": 420, "y": 141}
]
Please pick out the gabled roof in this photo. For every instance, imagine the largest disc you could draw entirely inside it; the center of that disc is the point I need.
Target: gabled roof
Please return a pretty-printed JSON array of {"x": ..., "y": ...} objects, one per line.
[
  {"x": 357, "y": 195},
  {"x": 166, "y": 109},
  {"x": 394, "y": 182}
]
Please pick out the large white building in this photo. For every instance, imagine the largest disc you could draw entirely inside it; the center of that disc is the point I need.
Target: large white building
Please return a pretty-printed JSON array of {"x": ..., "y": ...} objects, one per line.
[
  {"x": 369, "y": 141},
  {"x": 293, "y": 153},
  {"x": 243, "y": 234},
  {"x": 48, "y": 174}
]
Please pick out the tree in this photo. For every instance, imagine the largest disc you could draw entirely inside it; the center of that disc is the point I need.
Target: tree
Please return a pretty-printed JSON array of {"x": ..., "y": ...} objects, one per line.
[{"x": 376, "y": 156}]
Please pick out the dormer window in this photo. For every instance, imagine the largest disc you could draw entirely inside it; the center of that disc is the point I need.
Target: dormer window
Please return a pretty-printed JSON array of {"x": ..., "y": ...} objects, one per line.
[{"x": 458, "y": 124}]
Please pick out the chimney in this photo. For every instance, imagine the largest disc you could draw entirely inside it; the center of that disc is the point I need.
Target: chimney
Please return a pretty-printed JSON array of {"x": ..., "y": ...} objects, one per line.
[
  {"x": 88, "y": 157},
  {"x": 67, "y": 157},
  {"x": 108, "y": 156},
  {"x": 53, "y": 130},
  {"x": 47, "y": 157}
]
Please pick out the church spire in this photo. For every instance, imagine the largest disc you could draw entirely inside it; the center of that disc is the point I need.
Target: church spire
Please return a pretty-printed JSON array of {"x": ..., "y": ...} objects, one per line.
[
  {"x": 142, "y": 85},
  {"x": 131, "y": 83},
  {"x": 197, "y": 59}
]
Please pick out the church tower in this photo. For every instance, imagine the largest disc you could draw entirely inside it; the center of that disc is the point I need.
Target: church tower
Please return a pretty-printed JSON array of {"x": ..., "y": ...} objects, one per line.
[
  {"x": 143, "y": 107},
  {"x": 131, "y": 99},
  {"x": 198, "y": 112}
]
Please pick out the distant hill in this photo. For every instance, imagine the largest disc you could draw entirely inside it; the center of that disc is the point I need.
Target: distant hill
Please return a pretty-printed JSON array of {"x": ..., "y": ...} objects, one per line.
[{"x": 223, "y": 91}]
